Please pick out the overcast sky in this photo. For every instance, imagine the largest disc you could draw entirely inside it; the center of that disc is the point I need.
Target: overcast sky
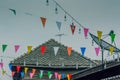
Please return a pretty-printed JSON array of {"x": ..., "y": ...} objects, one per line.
[{"x": 22, "y": 29}]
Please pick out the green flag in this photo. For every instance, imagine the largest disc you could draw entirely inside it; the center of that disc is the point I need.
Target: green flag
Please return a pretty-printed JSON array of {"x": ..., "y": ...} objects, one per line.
[
  {"x": 40, "y": 75},
  {"x": 4, "y": 47},
  {"x": 49, "y": 73},
  {"x": 112, "y": 37}
]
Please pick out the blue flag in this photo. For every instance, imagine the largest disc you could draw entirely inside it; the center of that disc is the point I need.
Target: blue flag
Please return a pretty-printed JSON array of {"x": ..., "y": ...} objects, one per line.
[
  {"x": 22, "y": 74},
  {"x": 10, "y": 66},
  {"x": 63, "y": 76},
  {"x": 83, "y": 50},
  {"x": 58, "y": 24}
]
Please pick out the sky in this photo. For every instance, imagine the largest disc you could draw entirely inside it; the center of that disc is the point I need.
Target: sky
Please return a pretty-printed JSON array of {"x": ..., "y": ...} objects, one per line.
[{"x": 23, "y": 29}]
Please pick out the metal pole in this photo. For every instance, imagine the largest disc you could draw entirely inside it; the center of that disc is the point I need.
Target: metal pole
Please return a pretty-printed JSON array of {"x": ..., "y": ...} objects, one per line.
[{"x": 102, "y": 59}]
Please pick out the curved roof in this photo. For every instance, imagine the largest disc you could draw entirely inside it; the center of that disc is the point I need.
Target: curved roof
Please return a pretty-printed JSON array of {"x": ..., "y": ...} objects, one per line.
[{"x": 35, "y": 58}]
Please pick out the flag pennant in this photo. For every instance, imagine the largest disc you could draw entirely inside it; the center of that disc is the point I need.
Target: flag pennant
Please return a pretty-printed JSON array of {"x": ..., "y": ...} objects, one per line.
[
  {"x": 58, "y": 25},
  {"x": 49, "y": 73},
  {"x": 50, "y": 76},
  {"x": 13, "y": 73},
  {"x": 43, "y": 20},
  {"x": 18, "y": 68},
  {"x": 83, "y": 50},
  {"x": 10, "y": 66},
  {"x": 33, "y": 71},
  {"x": 56, "y": 50},
  {"x": 97, "y": 50},
  {"x": 72, "y": 29},
  {"x": 59, "y": 76},
  {"x": 56, "y": 75},
  {"x": 112, "y": 37},
  {"x": 86, "y": 32},
  {"x": 31, "y": 75},
  {"x": 13, "y": 10},
  {"x": 69, "y": 50},
  {"x": 25, "y": 70},
  {"x": 69, "y": 76},
  {"x": 4, "y": 46},
  {"x": 22, "y": 74},
  {"x": 29, "y": 49},
  {"x": 42, "y": 49},
  {"x": 99, "y": 35},
  {"x": 1, "y": 65},
  {"x": 41, "y": 74},
  {"x": 63, "y": 76},
  {"x": 16, "y": 48},
  {"x": 3, "y": 72},
  {"x": 111, "y": 50}
]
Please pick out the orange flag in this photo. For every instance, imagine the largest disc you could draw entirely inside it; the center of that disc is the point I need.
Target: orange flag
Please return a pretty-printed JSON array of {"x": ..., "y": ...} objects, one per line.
[
  {"x": 43, "y": 20},
  {"x": 33, "y": 71},
  {"x": 69, "y": 50},
  {"x": 59, "y": 76}
]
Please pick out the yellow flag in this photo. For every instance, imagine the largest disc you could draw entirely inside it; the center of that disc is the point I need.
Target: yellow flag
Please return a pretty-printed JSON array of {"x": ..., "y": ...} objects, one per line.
[
  {"x": 111, "y": 50},
  {"x": 29, "y": 49},
  {"x": 3, "y": 72},
  {"x": 25, "y": 70},
  {"x": 99, "y": 35},
  {"x": 68, "y": 76}
]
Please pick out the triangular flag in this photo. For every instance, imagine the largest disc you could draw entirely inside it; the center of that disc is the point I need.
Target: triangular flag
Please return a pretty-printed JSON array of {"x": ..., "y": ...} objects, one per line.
[
  {"x": 13, "y": 10},
  {"x": 25, "y": 70},
  {"x": 41, "y": 74},
  {"x": 4, "y": 47},
  {"x": 83, "y": 50},
  {"x": 63, "y": 76},
  {"x": 49, "y": 73},
  {"x": 1, "y": 65},
  {"x": 86, "y": 32},
  {"x": 43, "y": 21},
  {"x": 16, "y": 48},
  {"x": 97, "y": 50},
  {"x": 69, "y": 50},
  {"x": 22, "y": 74},
  {"x": 3, "y": 72},
  {"x": 18, "y": 68},
  {"x": 111, "y": 49},
  {"x": 29, "y": 49},
  {"x": 112, "y": 37},
  {"x": 56, "y": 50},
  {"x": 31, "y": 75},
  {"x": 56, "y": 74},
  {"x": 42, "y": 49},
  {"x": 13, "y": 73},
  {"x": 72, "y": 29},
  {"x": 69, "y": 76},
  {"x": 50, "y": 76},
  {"x": 59, "y": 76},
  {"x": 10, "y": 66},
  {"x": 99, "y": 35},
  {"x": 58, "y": 24},
  {"x": 33, "y": 71}
]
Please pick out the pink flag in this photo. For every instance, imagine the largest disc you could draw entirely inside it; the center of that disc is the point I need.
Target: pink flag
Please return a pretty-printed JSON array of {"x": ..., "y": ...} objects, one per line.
[
  {"x": 85, "y": 32},
  {"x": 13, "y": 73},
  {"x": 1, "y": 64},
  {"x": 56, "y": 75},
  {"x": 16, "y": 48},
  {"x": 97, "y": 50},
  {"x": 31, "y": 75}
]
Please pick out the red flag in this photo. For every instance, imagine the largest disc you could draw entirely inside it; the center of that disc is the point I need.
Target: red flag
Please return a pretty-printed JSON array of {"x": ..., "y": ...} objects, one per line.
[
  {"x": 43, "y": 21},
  {"x": 73, "y": 28},
  {"x": 13, "y": 73},
  {"x": 18, "y": 68},
  {"x": 43, "y": 49}
]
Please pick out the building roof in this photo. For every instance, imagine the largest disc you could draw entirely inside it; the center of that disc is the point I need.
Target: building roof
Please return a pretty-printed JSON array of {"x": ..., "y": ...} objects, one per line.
[{"x": 49, "y": 59}]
